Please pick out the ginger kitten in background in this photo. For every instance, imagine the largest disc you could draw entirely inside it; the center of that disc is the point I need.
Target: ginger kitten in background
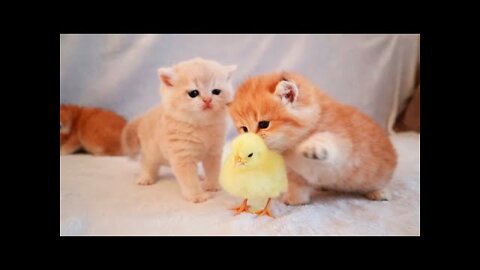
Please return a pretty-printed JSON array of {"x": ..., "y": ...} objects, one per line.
[
  {"x": 325, "y": 144},
  {"x": 95, "y": 130},
  {"x": 187, "y": 127}
]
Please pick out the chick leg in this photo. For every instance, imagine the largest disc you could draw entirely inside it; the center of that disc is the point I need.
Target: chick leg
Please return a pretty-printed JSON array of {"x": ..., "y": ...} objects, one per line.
[
  {"x": 265, "y": 211},
  {"x": 241, "y": 208}
]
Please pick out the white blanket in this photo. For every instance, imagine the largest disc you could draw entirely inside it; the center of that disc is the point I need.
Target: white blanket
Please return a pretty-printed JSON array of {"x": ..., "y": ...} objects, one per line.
[{"x": 99, "y": 196}]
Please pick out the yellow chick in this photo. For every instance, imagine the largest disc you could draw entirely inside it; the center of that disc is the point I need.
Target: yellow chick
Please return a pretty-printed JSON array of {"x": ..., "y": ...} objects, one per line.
[{"x": 253, "y": 172}]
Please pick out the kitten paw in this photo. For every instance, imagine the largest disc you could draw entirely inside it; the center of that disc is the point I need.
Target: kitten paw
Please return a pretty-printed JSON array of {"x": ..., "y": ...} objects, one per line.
[
  {"x": 145, "y": 180},
  {"x": 314, "y": 152},
  {"x": 378, "y": 195},
  {"x": 295, "y": 199},
  {"x": 324, "y": 146},
  {"x": 65, "y": 151},
  {"x": 198, "y": 197},
  {"x": 210, "y": 186}
]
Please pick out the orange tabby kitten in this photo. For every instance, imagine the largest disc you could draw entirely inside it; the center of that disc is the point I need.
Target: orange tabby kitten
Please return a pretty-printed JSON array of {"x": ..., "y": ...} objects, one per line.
[
  {"x": 187, "y": 127},
  {"x": 325, "y": 144},
  {"x": 95, "y": 130}
]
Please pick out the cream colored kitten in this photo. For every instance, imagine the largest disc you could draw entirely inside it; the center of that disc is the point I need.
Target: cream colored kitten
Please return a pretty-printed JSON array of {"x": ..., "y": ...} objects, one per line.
[{"x": 187, "y": 127}]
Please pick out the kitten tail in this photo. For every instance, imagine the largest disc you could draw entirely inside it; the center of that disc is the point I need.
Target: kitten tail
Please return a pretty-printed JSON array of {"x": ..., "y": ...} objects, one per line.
[{"x": 130, "y": 141}]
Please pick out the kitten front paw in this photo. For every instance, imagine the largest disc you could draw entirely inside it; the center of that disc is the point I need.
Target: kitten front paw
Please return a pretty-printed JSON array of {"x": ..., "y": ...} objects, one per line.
[
  {"x": 290, "y": 198},
  {"x": 212, "y": 186},
  {"x": 314, "y": 151},
  {"x": 378, "y": 195},
  {"x": 198, "y": 197},
  {"x": 64, "y": 151},
  {"x": 144, "y": 180}
]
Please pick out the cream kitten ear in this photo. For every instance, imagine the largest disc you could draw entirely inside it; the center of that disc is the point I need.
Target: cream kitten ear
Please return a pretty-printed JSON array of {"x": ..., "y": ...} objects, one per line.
[
  {"x": 230, "y": 69},
  {"x": 166, "y": 76},
  {"x": 287, "y": 91}
]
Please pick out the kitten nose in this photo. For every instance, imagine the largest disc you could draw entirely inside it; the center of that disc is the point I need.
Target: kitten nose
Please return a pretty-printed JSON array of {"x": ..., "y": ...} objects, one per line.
[{"x": 207, "y": 100}]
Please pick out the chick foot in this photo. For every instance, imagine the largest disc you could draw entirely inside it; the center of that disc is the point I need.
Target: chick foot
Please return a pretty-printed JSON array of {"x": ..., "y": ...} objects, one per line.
[
  {"x": 265, "y": 211},
  {"x": 241, "y": 208}
]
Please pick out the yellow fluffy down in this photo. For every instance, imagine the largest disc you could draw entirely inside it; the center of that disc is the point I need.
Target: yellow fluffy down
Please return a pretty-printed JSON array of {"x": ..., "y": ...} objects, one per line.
[{"x": 262, "y": 177}]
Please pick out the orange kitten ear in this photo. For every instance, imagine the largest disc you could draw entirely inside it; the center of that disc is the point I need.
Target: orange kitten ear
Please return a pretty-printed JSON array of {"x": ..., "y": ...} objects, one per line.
[
  {"x": 166, "y": 76},
  {"x": 230, "y": 69},
  {"x": 287, "y": 91},
  {"x": 285, "y": 75}
]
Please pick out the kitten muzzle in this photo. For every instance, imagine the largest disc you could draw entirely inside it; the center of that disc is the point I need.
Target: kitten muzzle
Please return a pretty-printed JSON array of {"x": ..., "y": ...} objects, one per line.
[{"x": 207, "y": 104}]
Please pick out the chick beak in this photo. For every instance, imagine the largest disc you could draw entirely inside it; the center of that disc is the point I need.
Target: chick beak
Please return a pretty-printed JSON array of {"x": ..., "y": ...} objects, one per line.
[{"x": 238, "y": 161}]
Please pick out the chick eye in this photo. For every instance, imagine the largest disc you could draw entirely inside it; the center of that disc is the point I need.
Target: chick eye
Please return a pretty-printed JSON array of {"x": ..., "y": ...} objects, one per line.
[
  {"x": 193, "y": 93},
  {"x": 263, "y": 124},
  {"x": 245, "y": 129},
  {"x": 216, "y": 91},
  {"x": 251, "y": 154}
]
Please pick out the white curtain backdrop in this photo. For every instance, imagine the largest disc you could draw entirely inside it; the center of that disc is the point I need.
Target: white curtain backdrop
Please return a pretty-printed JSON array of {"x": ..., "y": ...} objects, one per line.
[{"x": 375, "y": 73}]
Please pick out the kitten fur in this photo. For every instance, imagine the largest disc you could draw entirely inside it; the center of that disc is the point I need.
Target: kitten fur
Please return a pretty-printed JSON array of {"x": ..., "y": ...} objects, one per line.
[
  {"x": 325, "y": 144},
  {"x": 96, "y": 130},
  {"x": 182, "y": 130}
]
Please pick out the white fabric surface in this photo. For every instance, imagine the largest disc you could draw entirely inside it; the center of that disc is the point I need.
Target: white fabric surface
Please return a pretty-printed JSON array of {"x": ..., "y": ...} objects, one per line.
[
  {"x": 372, "y": 72},
  {"x": 99, "y": 197}
]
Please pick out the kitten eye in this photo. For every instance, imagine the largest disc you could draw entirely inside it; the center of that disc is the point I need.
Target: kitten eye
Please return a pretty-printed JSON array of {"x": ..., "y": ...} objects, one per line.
[
  {"x": 245, "y": 129},
  {"x": 263, "y": 124},
  {"x": 251, "y": 154},
  {"x": 216, "y": 91},
  {"x": 193, "y": 93}
]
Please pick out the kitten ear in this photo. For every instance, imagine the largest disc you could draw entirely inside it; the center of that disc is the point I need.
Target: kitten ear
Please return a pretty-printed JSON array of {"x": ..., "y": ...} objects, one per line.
[
  {"x": 166, "y": 76},
  {"x": 287, "y": 91},
  {"x": 230, "y": 69}
]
